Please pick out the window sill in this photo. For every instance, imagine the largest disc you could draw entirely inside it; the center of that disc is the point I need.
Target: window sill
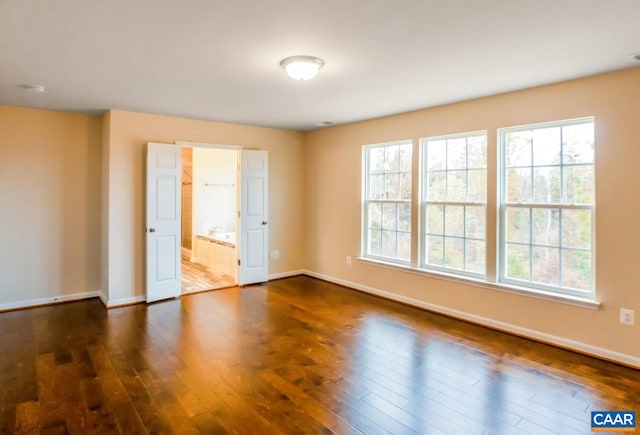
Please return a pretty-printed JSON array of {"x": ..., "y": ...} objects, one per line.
[{"x": 575, "y": 301}]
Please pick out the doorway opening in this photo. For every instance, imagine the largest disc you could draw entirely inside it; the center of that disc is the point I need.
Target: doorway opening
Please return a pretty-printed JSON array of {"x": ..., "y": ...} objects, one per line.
[
  {"x": 164, "y": 218},
  {"x": 209, "y": 211}
]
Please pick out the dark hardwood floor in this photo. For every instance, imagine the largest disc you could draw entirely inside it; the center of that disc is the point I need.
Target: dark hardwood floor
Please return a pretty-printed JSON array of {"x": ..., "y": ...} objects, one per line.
[{"x": 294, "y": 356}]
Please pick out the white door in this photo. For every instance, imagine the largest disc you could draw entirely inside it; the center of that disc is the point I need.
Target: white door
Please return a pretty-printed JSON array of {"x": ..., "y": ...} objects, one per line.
[
  {"x": 254, "y": 217},
  {"x": 163, "y": 221}
]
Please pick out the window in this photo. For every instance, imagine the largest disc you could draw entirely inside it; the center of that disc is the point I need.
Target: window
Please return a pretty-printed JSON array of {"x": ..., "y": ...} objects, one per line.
[
  {"x": 453, "y": 206},
  {"x": 387, "y": 201},
  {"x": 547, "y": 206},
  {"x": 542, "y": 216}
]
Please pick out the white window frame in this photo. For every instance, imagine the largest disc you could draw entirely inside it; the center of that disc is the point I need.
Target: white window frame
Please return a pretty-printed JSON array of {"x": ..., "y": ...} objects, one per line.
[
  {"x": 503, "y": 205},
  {"x": 366, "y": 201},
  {"x": 425, "y": 202}
]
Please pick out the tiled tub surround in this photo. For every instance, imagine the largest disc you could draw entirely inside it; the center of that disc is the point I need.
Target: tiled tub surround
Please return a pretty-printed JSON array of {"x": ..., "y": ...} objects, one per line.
[{"x": 217, "y": 252}]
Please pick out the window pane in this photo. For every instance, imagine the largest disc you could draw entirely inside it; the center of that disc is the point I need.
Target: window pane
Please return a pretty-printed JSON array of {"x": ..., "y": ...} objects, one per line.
[
  {"x": 477, "y": 149},
  {"x": 518, "y": 148},
  {"x": 404, "y": 217},
  {"x": 375, "y": 215},
  {"x": 454, "y": 252},
  {"x": 546, "y": 188},
  {"x": 436, "y": 154},
  {"x": 546, "y": 226},
  {"x": 457, "y": 153},
  {"x": 454, "y": 220},
  {"x": 461, "y": 163},
  {"x": 405, "y": 158},
  {"x": 517, "y": 225},
  {"x": 475, "y": 256},
  {"x": 376, "y": 159},
  {"x": 391, "y": 158},
  {"x": 391, "y": 186},
  {"x": 388, "y": 179},
  {"x": 435, "y": 250},
  {"x": 405, "y": 187},
  {"x": 376, "y": 186},
  {"x": 436, "y": 186},
  {"x": 579, "y": 184},
  {"x": 546, "y": 146},
  {"x": 518, "y": 185},
  {"x": 577, "y": 143},
  {"x": 517, "y": 263},
  {"x": 375, "y": 242},
  {"x": 576, "y": 229},
  {"x": 389, "y": 244},
  {"x": 389, "y": 216},
  {"x": 549, "y": 244},
  {"x": 478, "y": 185},
  {"x": 404, "y": 246},
  {"x": 546, "y": 265},
  {"x": 475, "y": 222},
  {"x": 576, "y": 269},
  {"x": 456, "y": 185},
  {"x": 435, "y": 219}
]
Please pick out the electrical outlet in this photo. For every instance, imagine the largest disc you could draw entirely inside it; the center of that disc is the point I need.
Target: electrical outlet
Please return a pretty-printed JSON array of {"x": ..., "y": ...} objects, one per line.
[
  {"x": 275, "y": 255},
  {"x": 348, "y": 260},
  {"x": 627, "y": 317}
]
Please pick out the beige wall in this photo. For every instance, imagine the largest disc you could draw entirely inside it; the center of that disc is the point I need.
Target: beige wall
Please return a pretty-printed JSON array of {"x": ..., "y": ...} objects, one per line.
[
  {"x": 54, "y": 242},
  {"x": 332, "y": 191},
  {"x": 129, "y": 134},
  {"x": 50, "y": 184}
]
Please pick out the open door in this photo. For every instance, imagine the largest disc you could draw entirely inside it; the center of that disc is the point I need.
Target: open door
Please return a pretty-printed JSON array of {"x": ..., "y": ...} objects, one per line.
[
  {"x": 254, "y": 208},
  {"x": 163, "y": 221}
]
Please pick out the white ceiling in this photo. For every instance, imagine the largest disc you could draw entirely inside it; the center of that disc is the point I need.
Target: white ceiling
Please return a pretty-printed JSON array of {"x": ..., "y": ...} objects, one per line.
[{"x": 219, "y": 59}]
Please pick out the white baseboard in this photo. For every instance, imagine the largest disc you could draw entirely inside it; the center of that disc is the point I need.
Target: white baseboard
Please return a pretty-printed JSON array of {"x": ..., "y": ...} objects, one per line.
[
  {"x": 50, "y": 300},
  {"x": 585, "y": 348},
  {"x": 104, "y": 299},
  {"x": 113, "y": 303},
  {"x": 286, "y": 274}
]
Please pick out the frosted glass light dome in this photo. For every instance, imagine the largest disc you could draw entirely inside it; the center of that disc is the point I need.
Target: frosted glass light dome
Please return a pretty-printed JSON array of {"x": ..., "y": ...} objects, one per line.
[{"x": 302, "y": 67}]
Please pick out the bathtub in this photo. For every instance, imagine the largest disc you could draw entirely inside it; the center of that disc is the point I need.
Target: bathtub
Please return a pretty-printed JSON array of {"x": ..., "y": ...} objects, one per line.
[{"x": 225, "y": 238}]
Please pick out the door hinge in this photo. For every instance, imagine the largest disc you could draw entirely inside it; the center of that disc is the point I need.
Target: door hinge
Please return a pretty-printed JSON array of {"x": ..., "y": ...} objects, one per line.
[{"x": 238, "y": 262}]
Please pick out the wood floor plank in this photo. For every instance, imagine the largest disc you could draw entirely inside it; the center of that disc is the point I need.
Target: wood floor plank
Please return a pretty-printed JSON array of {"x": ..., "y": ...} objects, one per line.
[
  {"x": 296, "y": 355},
  {"x": 51, "y": 409},
  {"x": 116, "y": 396},
  {"x": 28, "y": 417},
  {"x": 323, "y": 415},
  {"x": 197, "y": 277}
]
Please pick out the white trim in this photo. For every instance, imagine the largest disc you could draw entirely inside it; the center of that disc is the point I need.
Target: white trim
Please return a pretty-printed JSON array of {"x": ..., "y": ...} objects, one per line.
[
  {"x": 50, "y": 300},
  {"x": 113, "y": 303},
  {"x": 286, "y": 274},
  {"x": 611, "y": 355},
  {"x": 104, "y": 299}
]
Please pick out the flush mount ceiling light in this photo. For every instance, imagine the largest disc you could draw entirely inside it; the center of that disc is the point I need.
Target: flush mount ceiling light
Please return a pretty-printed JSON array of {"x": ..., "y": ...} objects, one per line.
[{"x": 302, "y": 67}]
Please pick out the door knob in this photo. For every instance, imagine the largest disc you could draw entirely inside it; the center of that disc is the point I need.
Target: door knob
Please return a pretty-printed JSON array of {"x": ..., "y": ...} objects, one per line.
[
  {"x": 264, "y": 222},
  {"x": 152, "y": 230}
]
